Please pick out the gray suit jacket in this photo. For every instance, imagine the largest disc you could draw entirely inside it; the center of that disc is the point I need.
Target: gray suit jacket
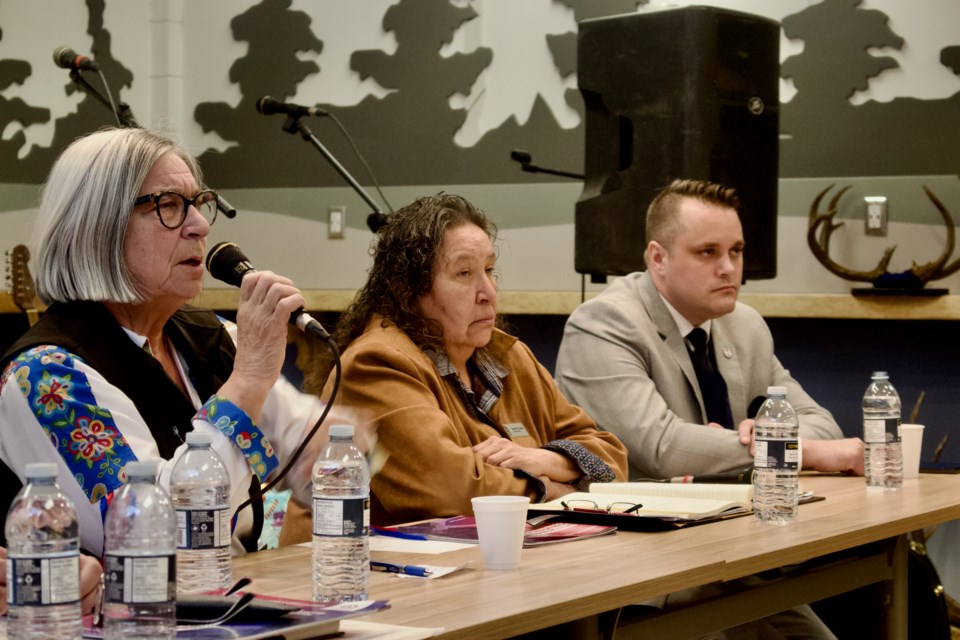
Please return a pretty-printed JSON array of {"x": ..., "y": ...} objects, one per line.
[{"x": 624, "y": 361}]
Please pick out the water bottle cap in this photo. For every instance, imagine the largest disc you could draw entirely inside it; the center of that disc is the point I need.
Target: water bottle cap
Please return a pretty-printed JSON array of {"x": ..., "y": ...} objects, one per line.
[
  {"x": 341, "y": 431},
  {"x": 142, "y": 468},
  {"x": 880, "y": 375},
  {"x": 776, "y": 391},
  {"x": 37, "y": 470},
  {"x": 199, "y": 438}
]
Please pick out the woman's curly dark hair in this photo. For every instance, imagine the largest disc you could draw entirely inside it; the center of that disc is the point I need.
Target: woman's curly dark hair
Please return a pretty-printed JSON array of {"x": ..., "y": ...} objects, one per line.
[{"x": 404, "y": 260}]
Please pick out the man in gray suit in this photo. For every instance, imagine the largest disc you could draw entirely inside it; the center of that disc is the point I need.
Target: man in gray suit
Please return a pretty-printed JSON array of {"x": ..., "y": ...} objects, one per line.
[{"x": 627, "y": 359}]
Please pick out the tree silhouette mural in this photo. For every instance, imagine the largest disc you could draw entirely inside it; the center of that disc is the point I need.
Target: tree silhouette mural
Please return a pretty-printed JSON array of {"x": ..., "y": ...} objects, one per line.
[
  {"x": 417, "y": 147},
  {"x": 407, "y": 135},
  {"x": 838, "y": 31},
  {"x": 950, "y": 58},
  {"x": 89, "y": 116},
  {"x": 275, "y": 34},
  {"x": 826, "y": 135},
  {"x": 16, "y": 110}
]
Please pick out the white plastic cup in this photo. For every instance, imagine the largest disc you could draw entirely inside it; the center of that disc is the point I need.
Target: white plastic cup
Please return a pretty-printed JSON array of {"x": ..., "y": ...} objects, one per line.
[
  {"x": 501, "y": 522},
  {"x": 911, "y": 439}
]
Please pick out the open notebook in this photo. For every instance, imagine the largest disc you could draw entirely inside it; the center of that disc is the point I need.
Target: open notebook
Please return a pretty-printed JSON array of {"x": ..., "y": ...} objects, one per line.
[
  {"x": 657, "y": 499},
  {"x": 656, "y": 506}
]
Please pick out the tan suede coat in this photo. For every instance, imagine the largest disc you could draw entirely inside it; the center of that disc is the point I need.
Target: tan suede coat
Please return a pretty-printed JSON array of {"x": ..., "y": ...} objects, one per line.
[{"x": 423, "y": 424}]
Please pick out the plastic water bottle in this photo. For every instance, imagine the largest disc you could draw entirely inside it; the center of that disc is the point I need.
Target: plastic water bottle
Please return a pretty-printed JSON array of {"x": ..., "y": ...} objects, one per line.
[
  {"x": 883, "y": 458},
  {"x": 200, "y": 494},
  {"x": 43, "y": 561},
  {"x": 140, "y": 560},
  {"x": 341, "y": 520},
  {"x": 776, "y": 460}
]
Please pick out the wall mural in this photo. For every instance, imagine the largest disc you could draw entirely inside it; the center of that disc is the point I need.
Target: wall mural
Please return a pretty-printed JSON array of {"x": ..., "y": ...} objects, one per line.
[
  {"x": 407, "y": 135},
  {"x": 89, "y": 117},
  {"x": 14, "y": 109},
  {"x": 829, "y": 136}
]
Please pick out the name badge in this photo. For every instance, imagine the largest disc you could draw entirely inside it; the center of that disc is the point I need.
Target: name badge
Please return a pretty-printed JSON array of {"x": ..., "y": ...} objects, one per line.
[{"x": 516, "y": 430}]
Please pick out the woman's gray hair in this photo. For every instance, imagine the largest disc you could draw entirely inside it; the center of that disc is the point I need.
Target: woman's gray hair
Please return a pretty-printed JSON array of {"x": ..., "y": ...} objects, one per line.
[{"x": 85, "y": 211}]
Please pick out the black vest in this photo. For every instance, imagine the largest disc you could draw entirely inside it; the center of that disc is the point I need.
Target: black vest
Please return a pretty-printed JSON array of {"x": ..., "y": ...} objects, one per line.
[{"x": 89, "y": 330}]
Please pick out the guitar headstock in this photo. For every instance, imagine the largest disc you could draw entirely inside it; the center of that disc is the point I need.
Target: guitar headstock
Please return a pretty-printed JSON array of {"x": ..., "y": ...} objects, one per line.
[{"x": 21, "y": 282}]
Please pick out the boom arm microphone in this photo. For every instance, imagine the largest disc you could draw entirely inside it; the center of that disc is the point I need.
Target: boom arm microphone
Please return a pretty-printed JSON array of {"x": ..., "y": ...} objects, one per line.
[
  {"x": 227, "y": 263},
  {"x": 268, "y": 106},
  {"x": 67, "y": 58}
]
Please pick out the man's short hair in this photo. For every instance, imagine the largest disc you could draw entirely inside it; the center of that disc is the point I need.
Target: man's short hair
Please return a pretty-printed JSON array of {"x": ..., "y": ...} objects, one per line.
[
  {"x": 85, "y": 211},
  {"x": 663, "y": 224}
]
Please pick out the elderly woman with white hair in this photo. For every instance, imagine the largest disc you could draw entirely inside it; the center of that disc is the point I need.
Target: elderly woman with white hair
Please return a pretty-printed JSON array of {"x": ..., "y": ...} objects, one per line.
[{"x": 120, "y": 367}]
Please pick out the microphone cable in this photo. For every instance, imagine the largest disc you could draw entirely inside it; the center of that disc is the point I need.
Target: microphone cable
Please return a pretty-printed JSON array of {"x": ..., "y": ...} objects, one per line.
[
  {"x": 335, "y": 351},
  {"x": 363, "y": 161},
  {"x": 113, "y": 104}
]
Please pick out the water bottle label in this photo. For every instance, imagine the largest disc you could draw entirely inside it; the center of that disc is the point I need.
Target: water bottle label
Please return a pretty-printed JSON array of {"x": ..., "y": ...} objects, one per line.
[
  {"x": 203, "y": 528},
  {"x": 349, "y": 517},
  {"x": 777, "y": 454},
  {"x": 140, "y": 579},
  {"x": 49, "y": 580},
  {"x": 881, "y": 430}
]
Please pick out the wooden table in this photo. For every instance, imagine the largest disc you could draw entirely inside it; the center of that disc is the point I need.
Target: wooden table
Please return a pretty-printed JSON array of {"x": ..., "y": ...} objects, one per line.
[{"x": 580, "y": 581}]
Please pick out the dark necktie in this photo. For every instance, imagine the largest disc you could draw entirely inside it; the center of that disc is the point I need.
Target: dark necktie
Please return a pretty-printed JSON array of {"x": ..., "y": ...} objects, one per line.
[{"x": 712, "y": 386}]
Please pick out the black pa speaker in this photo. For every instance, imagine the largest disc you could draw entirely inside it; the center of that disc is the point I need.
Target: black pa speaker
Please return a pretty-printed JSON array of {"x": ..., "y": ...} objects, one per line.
[{"x": 678, "y": 93}]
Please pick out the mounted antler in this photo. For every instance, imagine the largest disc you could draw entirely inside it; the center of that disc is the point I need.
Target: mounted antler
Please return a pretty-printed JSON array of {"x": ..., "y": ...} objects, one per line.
[
  {"x": 821, "y": 247},
  {"x": 936, "y": 269},
  {"x": 916, "y": 277}
]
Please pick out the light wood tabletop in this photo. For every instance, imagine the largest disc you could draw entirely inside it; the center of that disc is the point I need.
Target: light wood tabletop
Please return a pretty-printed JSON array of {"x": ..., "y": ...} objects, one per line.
[{"x": 579, "y": 580}]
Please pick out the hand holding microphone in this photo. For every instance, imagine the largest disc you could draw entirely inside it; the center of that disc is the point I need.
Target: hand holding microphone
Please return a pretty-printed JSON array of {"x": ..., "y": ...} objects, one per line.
[
  {"x": 261, "y": 350},
  {"x": 227, "y": 263},
  {"x": 267, "y": 303}
]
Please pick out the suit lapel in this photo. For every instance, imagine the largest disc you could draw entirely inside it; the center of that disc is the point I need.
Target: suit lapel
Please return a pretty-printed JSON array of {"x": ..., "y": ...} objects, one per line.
[{"x": 670, "y": 335}]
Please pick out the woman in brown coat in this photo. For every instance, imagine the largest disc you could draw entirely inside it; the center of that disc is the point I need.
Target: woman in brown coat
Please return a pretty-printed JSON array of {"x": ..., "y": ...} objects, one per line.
[{"x": 462, "y": 408}]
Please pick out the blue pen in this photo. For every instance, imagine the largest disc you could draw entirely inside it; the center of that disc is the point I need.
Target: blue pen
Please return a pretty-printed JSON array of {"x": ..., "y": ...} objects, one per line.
[
  {"x": 408, "y": 569},
  {"x": 393, "y": 533}
]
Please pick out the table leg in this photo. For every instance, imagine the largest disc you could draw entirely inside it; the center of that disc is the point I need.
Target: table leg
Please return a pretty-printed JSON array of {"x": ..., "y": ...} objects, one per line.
[{"x": 896, "y": 604}]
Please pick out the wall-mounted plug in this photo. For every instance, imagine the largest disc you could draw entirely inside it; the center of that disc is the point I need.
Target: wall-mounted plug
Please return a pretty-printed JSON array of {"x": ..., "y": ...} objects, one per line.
[
  {"x": 336, "y": 222},
  {"x": 876, "y": 215}
]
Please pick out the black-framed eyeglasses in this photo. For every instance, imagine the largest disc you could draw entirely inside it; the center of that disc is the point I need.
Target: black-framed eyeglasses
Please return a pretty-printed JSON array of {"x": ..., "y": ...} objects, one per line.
[
  {"x": 172, "y": 207},
  {"x": 592, "y": 507}
]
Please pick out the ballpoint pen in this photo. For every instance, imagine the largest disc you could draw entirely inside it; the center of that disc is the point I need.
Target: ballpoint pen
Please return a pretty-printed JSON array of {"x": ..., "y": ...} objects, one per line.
[{"x": 407, "y": 569}]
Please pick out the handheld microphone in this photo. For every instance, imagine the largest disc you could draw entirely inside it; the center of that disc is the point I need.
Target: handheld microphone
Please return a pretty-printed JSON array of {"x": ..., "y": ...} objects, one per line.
[
  {"x": 227, "y": 263},
  {"x": 67, "y": 58},
  {"x": 268, "y": 106}
]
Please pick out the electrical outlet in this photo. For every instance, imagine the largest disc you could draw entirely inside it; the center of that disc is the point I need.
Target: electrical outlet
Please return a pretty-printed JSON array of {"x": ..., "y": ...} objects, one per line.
[
  {"x": 336, "y": 222},
  {"x": 876, "y": 215}
]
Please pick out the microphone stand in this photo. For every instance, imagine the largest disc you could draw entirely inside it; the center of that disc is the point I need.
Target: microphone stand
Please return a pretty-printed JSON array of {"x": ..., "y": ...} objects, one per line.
[
  {"x": 294, "y": 125},
  {"x": 123, "y": 113},
  {"x": 125, "y": 117},
  {"x": 527, "y": 165}
]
